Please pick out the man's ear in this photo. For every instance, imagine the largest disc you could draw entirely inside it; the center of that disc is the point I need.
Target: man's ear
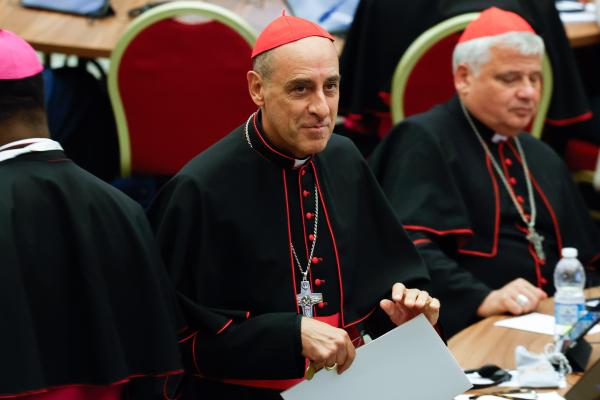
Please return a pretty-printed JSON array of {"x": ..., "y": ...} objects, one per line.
[
  {"x": 256, "y": 87},
  {"x": 462, "y": 79}
]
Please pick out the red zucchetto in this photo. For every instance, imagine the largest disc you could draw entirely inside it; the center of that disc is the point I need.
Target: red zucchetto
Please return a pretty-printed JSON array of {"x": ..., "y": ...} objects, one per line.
[
  {"x": 18, "y": 60},
  {"x": 494, "y": 21},
  {"x": 284, "y": 30}
]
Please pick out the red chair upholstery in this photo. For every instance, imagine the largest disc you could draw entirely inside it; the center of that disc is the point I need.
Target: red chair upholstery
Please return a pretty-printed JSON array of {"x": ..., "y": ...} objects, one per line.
[
  {"x": 182, "y": 87},
  {"x": 431, "y": 81}
]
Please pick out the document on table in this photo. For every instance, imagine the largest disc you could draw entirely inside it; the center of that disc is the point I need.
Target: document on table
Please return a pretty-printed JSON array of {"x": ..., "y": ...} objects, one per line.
[
  {"x": 535, "y": 322},
  {"x": 409, "y": 362},
  {"x": 574, "y": 12},
  {"x": 538, "y": 396}
]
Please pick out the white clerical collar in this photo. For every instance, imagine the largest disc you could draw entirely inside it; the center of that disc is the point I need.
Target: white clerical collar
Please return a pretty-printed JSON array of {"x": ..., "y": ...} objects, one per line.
[
  {"x": 497, "y": 138},
  {"x": 23, "y": 146},
  {"x": 299, "y": 163}
]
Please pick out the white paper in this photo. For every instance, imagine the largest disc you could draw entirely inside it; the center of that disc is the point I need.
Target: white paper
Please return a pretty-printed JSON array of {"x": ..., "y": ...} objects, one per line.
[
  {"x": 569, "y": 15},
  {"x": 409, "y": 362},
  {"x": 538, "y": 396},
  {"x": 535, "y": 322},
  {"x": 595, "y": 302}
]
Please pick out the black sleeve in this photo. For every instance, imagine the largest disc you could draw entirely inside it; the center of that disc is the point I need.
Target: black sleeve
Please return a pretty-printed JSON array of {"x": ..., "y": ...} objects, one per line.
[
  {"x": 219, "y": 342},
  {"x": 460, "y": 293}
]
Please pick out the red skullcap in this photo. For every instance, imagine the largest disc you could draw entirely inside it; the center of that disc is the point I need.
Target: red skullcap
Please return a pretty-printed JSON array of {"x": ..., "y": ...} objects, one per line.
[
  {"x": 18, "y": 60},
  {"x": 284, "y": 30},
  {"x": 494, "y": 21}
]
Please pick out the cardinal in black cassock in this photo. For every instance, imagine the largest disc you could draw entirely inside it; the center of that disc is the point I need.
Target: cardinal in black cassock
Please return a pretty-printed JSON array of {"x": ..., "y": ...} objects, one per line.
[
  {"x": 455, "y": 200},
  {"x": 248, "y": 228}
]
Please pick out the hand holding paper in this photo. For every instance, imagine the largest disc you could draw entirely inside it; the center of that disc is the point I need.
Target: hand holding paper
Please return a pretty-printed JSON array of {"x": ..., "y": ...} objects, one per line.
[
  {"x": 408, "y": 303},
  {"x": 409, "y": 362},
  {"x": 325, "y": 345}
]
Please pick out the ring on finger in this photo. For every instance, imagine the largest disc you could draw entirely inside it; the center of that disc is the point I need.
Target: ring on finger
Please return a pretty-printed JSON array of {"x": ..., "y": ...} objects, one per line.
[
  {"x": 522, "y": 300},
  {"x": 331, "y": 367}
]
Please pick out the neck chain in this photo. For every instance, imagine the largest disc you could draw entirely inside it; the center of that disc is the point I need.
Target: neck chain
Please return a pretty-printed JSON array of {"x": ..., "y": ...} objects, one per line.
[
  {"x": 314, "y": 242},
  {"x": 306, "y": 298},
  {"x": 246, "y": 131},
  {"x": 532, "y": 236}
]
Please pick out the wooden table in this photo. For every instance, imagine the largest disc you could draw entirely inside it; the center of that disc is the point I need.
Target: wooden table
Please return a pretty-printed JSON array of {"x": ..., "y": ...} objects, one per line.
[
  {"x": 483, "y": 343},
  {"x": 52, "y": 32},
  {"x": 583, "y": 34}
]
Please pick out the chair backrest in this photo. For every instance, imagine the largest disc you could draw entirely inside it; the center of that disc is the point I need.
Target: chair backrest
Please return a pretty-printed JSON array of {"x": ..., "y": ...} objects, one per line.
[
  {"x": 177, "y": 87},
  {"x": 423, "y": 76}
]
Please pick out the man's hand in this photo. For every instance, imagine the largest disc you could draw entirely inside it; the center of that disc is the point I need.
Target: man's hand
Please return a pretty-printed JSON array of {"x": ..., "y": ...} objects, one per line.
[
  {"x": 325, "y": 345},
  {"x": 408, "y": 303},
  {"x": 516, "y": 297}
]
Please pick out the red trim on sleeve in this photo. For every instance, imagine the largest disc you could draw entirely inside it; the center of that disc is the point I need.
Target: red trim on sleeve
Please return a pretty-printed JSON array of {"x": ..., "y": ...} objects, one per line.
[
  {"x": 569, "y": 121},
  {"x": 275, "y": 384},
  {"x": 462, "y": 231},
  {"x": 225, "y": 326},
  {"x": 421, "y": 241},
  {"x": 360, "y": 319},
  {"x": 283, "y": 384},
  {"x": 187, "y": 338}
]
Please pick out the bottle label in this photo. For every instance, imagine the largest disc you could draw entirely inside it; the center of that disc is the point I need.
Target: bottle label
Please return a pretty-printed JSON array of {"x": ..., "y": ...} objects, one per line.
[{"x": 567, "y": 314}]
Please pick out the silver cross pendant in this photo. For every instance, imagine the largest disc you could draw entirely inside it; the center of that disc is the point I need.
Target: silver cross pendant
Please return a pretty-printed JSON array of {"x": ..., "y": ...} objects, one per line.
[
  {"x": 536, "y": 240},
  {"x": 307, "y": 299}
]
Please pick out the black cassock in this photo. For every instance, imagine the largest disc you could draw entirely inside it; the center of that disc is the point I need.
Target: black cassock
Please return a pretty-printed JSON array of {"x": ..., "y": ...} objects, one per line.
[
  {"x": 460, "y": 215},
  {"x": 84, "y": 296},
  {"x": 225, "y": 223},
  {"x": 382, "y": 30}
]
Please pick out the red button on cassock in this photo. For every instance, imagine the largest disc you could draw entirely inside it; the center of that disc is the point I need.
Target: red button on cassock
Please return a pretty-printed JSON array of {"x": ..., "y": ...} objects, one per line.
[
  {"x": 520, "y": 199},
  {"x": 322, "y": 304},
  {"x": 319, "y": 282},
  {"x": 508, "y": 162},
  {"x": 311, "y": 237},
  {"x": 316, "y": 260},
  {"x": 309, "y": 215},
  {"x": 305, "y": 193},
  {"x": 513, "y": 181},
  {"x": 303, "y": 172}
]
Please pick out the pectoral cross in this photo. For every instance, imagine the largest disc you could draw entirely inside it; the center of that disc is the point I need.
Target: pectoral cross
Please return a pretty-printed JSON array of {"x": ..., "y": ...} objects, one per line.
[
  {"x": 536, "y": 240},
  {"x": 307, "y": 299}
]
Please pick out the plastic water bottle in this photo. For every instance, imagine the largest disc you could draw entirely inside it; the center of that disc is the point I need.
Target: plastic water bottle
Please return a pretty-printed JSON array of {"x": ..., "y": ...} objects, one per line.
[{"x": 569, "y": 300}]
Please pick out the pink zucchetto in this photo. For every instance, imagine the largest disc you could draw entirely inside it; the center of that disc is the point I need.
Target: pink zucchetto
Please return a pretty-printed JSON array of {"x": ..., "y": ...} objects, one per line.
[
  {"x": 18, "y": 60},
  {"x": 286, "y": 29}
]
